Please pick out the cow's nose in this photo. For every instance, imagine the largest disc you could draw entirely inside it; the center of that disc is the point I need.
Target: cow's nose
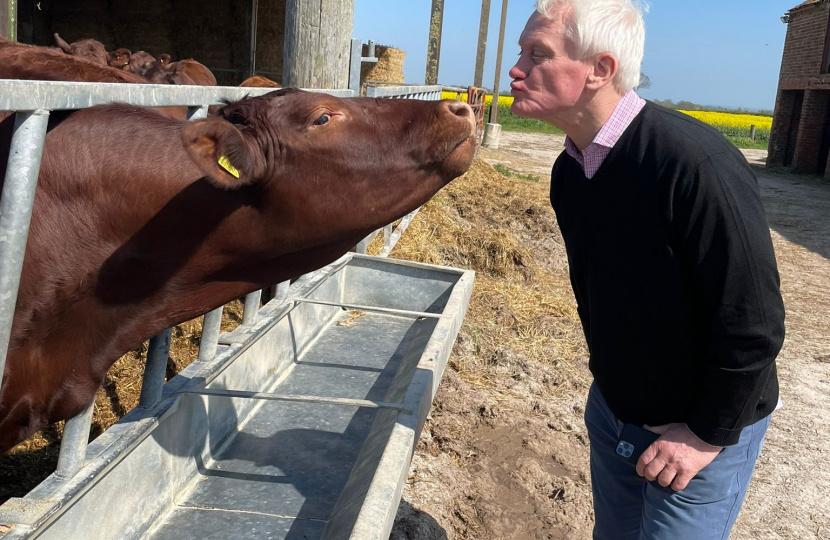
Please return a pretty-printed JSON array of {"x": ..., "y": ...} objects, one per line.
[{"x": 460, "y": 109}]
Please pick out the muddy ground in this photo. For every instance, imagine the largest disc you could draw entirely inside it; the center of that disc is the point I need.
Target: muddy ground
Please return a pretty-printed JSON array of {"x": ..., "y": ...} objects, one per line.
[{"x": 504, "y": 453}]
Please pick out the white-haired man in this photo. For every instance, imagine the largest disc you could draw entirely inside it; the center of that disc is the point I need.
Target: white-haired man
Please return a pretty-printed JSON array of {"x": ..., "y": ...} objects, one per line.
[{"x": 674, "y": 274}]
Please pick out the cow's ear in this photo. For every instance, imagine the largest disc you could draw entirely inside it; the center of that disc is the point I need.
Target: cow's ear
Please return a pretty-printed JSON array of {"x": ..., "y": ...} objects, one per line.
[
  {"x": 228, "y": 158},
  {"x": 62, "y": 44}
]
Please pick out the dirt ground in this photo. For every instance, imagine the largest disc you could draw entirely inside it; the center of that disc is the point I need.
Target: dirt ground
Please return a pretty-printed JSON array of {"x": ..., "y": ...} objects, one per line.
[{"x": 504, "y": 453}]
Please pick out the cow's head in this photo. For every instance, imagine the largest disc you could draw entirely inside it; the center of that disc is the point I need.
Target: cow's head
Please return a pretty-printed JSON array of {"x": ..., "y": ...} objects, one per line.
[
  {"x": 141, "y": 63},
  {"x": 119, "y": 58},
  {"x": 338, "y": 165},
  {"x": 90, "y": 49}
]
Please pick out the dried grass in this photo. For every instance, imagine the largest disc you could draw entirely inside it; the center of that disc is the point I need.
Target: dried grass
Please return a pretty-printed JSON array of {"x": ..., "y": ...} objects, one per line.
[
  {"x": 522, "y": 305},
  {"x": 388, "y": 68}
]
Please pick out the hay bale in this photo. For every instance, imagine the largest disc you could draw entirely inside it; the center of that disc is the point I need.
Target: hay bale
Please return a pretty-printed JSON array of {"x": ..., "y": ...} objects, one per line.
[{"x": 389, "y": 67}]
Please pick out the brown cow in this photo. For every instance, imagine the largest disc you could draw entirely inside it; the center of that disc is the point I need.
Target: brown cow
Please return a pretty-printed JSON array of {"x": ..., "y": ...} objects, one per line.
[
  {"x": 258, "y": 81},
  {"x": 29, "y": 62},
  {"x": 90, "y": 49},
  {"x": 121, "y": 249},
  {"x": 190, "y": 72},
  {"x": 141, "y": 63},
  {"x": 119, "y": 58}
]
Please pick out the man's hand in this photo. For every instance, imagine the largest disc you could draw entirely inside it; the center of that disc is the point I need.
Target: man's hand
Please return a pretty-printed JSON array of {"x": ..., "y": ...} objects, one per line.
[{"x": 676, "y": 457}]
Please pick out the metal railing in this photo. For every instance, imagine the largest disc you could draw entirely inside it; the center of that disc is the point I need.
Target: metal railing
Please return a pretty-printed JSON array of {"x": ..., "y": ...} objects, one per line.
[
  {"x": 33, "y": 101},
  {"x": 426, "y": 92}
]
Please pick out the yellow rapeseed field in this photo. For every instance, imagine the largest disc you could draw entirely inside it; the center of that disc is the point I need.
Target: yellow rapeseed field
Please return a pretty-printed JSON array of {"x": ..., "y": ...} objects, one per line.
[
  {"x": 732, "y": 121},
  {"x": 736, "y": 125},
  {"x": 504, "y": 101}
]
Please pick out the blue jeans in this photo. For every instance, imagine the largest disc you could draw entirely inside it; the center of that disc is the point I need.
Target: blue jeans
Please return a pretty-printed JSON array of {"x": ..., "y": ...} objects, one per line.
[{"x": 628, "y": 507}]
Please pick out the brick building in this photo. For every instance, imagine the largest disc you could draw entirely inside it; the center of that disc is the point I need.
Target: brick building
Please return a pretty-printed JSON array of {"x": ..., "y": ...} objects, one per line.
[{"x": 800, "y": 137}]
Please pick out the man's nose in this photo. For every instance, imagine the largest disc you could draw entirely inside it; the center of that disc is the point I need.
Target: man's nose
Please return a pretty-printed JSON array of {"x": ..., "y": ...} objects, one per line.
[{"x": 515, "y": 72}]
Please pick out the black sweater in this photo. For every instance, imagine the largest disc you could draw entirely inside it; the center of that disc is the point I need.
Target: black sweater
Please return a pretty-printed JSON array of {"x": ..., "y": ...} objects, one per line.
[{"x": 675, "y": 278}]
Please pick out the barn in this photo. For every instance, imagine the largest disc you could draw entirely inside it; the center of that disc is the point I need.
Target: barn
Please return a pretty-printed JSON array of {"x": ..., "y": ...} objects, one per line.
[{"x": 800, "y": 136}]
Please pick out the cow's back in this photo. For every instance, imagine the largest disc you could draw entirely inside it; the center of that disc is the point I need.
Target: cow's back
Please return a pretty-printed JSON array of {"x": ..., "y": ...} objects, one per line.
[{"x": 30, "y": 62}]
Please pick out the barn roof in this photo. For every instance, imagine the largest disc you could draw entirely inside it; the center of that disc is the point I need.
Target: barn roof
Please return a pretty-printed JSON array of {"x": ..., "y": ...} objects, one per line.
[{"x": 807, "y": 3}]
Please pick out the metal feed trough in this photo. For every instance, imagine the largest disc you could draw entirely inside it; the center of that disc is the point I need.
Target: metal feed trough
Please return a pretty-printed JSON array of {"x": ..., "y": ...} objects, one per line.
[{"x": 300, "y": 423}]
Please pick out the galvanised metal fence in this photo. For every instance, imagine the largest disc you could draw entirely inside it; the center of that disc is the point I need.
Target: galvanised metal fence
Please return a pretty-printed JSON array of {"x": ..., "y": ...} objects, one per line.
[{"x": 33, "y": 101}]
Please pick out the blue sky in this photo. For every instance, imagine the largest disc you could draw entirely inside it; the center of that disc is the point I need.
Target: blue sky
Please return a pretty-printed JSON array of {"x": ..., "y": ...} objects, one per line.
[{"x": 712, "y": 52}]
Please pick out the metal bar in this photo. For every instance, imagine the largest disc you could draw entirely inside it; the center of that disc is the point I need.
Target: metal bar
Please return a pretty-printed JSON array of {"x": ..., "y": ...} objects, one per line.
[
  {"x": 8, "y": 19},
  {"x": 155, "y": 369},
  {"x": 401, "y": 91},
  {"x": 16, "y": 95},
  {"x": 252, "y": 58},
  {"x": 251, "y": 311},
  {"x": 390, "y": 311},
  {"x": 387, "y": 236},
  {"x": 16, "y": 205},
  {"x": 354, "y": 66},
  {"x": 211, "y": 325},
  {"x": 245, "y": 394},
  {"x": 197, "y": 113},
  {"x": 282, "y": 290},
  {"x": 74, "y": 443},
  {"x": 396, "y": 235}
]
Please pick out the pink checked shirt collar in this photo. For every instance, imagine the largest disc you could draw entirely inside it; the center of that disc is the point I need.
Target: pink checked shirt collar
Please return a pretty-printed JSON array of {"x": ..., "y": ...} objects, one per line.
[{"x": 592, "y": 157}]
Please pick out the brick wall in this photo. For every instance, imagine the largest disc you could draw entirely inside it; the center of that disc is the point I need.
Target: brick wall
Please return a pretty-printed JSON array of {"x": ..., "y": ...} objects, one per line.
[
  {"x": 804, "y": 46},
  {"x": 810, "y": 131},
  {"x": 214, "y": 32},
  {"x": 782, "y": 122}
]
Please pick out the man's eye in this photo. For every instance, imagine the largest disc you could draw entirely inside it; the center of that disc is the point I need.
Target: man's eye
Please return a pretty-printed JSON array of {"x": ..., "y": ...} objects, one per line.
[{"x": 322, "y": 120}]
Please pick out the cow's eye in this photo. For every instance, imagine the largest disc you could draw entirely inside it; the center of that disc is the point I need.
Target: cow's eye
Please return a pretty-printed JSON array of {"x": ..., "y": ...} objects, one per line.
[{"x": 322, "y": 120}]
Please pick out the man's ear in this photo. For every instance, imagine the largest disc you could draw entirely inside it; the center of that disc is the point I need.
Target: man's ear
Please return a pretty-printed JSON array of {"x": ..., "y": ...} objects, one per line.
[
  {"x": 226, "y": 157},
  {"x": 603, "y": 72}
]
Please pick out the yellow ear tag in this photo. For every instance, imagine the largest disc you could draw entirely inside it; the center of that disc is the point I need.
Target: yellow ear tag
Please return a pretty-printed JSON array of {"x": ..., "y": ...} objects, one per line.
[{"x": 225, "y": 163}]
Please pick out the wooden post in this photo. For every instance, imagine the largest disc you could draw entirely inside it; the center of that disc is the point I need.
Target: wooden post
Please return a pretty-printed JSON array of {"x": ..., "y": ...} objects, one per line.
[
  {"x": 483, "y": 26},
  {"x": 752, "y": 132},
  {"x": 318, "y": 37},
  {"x": 436, "y": 20},
  {"x": 8, "y": 19},
  {"x": 494, "y": 105}
]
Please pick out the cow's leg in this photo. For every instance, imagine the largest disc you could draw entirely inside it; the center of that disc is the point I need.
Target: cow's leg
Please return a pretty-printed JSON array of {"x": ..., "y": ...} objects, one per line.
[{"x": 19, "y": 422}]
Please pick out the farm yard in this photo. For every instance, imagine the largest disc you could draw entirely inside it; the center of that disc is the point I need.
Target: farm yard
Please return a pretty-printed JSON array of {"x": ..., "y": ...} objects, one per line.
[{"x": 376, "y": 393}]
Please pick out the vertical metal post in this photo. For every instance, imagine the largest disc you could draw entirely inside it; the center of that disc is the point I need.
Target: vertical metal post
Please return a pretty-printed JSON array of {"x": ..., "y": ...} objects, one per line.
[
  {"x": 252, "y": 45},
  {"x": 197, "y": 113},
  {"x": 483, "y": 27},
  {"x": 74, "y": 443},
  {"x": 371, "y": 51},
  {"x": 436, "y": 20},
  {"x": 282, "y": 290},
  {"x": 8, "y": 19},
  {"x": 211, "y": 325},
  {"x": 387, "y": 236},
  {"x": 494, "y": 105},
  {"x": 155, "y": 369},
  {"x": 251, "y": 311},
  {"x": 16, "y": 205},
  {"x": 354, "y": 66}
]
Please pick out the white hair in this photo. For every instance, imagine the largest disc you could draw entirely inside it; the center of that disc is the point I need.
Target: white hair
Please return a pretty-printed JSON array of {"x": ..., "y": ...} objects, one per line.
[{"x": 596, "y": 26}]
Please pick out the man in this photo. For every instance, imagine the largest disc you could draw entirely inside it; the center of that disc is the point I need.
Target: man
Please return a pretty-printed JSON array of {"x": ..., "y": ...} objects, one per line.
[{"x": 673, "y": 271}]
